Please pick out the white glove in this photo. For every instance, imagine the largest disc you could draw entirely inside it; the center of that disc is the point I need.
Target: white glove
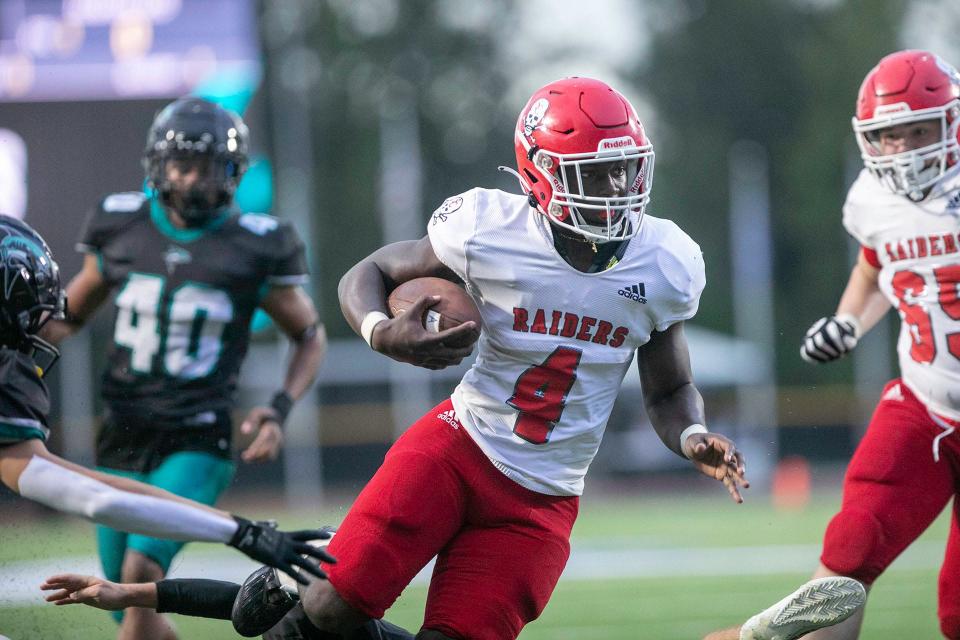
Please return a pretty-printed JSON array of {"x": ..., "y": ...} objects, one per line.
[{"x": 830, "y": 338}]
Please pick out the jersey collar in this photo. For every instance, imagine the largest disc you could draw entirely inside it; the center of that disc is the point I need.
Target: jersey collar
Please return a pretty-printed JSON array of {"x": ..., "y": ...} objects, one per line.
[
  {"x": 608, "y": 254},
  {"x": 160, "y": 220}
]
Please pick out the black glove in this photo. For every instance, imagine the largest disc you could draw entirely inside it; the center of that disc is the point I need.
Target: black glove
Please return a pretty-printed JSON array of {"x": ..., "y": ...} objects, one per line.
[
  {"x": 263, "y": 542},
  {"x": 830, "y": 338}
]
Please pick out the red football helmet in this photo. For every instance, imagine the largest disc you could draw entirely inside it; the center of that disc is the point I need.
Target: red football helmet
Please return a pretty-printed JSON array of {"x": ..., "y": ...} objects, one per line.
[
  {"x": 904, "y": 88},
  {"x": 572, "y": 123}
]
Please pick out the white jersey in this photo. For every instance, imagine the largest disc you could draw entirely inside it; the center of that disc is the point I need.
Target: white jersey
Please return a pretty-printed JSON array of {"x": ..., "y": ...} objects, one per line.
[
  {"x": 556, "y": 342},
  {"x": 918, "y": 247}
]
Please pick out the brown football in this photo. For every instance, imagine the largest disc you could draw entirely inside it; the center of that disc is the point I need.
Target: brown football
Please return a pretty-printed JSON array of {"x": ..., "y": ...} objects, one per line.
[{"x": 455, "y": 306}]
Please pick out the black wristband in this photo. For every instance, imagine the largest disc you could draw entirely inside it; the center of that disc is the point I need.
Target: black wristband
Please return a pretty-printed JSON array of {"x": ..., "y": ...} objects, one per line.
[
  {"x": 282, "y": 403},
  {"x": 242, "y": 526},
  {"x": 203, "y": 598},
  {"x": 72, "y": 320},
  {"x": 306, "y": 334}
]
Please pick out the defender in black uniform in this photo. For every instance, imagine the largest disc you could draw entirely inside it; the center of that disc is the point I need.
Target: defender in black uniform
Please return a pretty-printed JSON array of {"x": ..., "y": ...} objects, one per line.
[
  {"x": 30, "y": 296},
  {"x": 187, "y": 273},
  {"x": 262, "y": 605}
]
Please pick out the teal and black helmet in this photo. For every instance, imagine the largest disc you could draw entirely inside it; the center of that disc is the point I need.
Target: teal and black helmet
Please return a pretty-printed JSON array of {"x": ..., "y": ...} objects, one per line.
[
  {"x": 30, "y": 290},
  {"x": 194, "y": 129}
]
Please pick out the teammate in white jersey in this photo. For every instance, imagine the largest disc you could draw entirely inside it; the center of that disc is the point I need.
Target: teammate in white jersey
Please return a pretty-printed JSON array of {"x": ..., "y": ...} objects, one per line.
[
  {"x": 904, "y": 210},
  {"x": 571, "y": 281}
]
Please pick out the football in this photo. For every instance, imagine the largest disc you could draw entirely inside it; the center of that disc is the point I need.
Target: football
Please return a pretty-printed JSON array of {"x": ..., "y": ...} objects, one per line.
[{"x": 455, "y": 306}]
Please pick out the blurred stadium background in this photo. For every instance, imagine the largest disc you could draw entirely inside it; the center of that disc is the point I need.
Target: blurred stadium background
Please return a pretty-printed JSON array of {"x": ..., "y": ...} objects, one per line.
[{"x": 365, "y": 115}]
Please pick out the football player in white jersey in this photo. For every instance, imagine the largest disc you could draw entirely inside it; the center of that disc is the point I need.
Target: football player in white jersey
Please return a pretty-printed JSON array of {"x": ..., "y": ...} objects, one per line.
[
  {"x": 904, "y": 210},
  {"x": 571, "y": 279}
]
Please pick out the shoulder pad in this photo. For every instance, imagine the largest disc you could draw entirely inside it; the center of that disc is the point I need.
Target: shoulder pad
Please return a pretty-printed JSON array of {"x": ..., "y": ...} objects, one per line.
[
  {"x": 126, "y": 202},
  {"x": 258, "y": 223}
]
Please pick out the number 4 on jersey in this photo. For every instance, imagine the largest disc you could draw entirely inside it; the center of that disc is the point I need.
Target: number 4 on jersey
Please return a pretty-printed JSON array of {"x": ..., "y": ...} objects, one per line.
[{"x": 540, "y": 394}]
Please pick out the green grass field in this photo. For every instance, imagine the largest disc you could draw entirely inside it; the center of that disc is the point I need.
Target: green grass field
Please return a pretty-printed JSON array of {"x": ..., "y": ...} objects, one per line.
[{"x": 902, "y": 604}]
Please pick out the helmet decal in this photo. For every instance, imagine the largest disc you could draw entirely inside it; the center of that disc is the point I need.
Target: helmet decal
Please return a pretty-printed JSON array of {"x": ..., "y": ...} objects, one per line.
[
  {"x": 638, "y": 181},
  {"x": 535, "y": 116},
  {"x": 615, "y": 143},
  {"x": 21, "y": 247},
  {"x": 30, "y": 293}
]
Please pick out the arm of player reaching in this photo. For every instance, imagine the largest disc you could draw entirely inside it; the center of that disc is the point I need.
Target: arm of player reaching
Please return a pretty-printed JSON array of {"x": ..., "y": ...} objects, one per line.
[
  {"x": 363, "y": 292},
  {"x": 85, "y": 293},
  {"x": 74, "y": 588},
  {"x": 294, "y": 313},
  {"x": 191, "y": 597},
  {"x": 254, "y": 607},
  {"x": 861, "y": 306},
  {"x": 33, "y": 472},
  {"x": 674, "y": 405}
]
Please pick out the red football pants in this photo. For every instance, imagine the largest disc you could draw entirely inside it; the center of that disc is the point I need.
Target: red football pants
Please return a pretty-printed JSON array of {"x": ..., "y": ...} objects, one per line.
[
  {"x": 500, "y": 547},
  {"x": 892, "y": 491}
]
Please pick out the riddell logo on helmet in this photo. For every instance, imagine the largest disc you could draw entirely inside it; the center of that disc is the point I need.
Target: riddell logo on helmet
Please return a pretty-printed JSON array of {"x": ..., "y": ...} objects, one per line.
[
  {"x": 887, "y": 109},
  {"x": 615, "y": 143}
]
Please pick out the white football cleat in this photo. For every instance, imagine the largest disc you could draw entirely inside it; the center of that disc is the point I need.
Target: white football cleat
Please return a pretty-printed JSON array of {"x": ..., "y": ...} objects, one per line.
[{"x": 819, "y": 603}]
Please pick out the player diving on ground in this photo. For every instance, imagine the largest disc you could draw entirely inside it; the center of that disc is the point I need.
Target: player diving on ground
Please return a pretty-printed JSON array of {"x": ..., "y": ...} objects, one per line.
[{"x": 30, "y": 294}]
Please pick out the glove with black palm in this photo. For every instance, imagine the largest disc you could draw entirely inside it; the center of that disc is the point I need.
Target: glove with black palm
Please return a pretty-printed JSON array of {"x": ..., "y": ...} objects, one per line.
[
  {"x": 263, "y": 542},
  {"x": 830, "y": 338},
  {"x": 265, "y": 597}
]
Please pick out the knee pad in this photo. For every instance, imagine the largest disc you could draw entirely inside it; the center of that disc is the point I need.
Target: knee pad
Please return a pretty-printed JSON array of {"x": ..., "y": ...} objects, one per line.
[{"x": 852, "y": 545}]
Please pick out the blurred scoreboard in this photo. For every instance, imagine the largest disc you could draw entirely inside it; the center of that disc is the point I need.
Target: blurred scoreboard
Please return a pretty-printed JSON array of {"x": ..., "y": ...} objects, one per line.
[
  {"x": 53, "y": 50},
  {"x": 80, "y": 82}
]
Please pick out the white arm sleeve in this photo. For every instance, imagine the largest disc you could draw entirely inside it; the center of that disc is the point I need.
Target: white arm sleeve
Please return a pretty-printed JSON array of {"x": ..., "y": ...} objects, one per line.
[{"x": 66, "y": 490}]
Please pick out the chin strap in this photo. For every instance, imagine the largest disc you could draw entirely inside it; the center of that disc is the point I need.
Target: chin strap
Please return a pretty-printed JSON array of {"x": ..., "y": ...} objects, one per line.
[{"x": 44, "y": 355}]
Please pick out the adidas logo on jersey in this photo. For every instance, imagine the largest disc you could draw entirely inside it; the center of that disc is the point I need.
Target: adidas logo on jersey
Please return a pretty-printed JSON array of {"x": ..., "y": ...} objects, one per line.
[
  {"x": 450, "y": 417},
  {"x": 893, "y": 393},
  {"x": 637, "y": 292}
]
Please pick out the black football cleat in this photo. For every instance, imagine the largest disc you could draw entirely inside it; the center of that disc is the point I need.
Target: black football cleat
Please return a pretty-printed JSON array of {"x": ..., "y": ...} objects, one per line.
[
  {"x": 261, "y": 603},
  {"x": 265, "y": 597}
]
